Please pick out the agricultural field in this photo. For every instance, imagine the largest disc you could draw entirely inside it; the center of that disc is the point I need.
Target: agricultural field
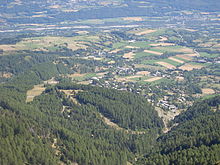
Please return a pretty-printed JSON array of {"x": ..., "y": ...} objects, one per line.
[
  {"x": 190, "y": 67},
  {"x": 81, "y": 77},
  {"x": 50, "y": 43}
]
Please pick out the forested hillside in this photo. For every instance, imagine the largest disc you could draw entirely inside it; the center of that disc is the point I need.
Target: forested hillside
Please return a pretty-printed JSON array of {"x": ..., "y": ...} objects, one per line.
[
  {"x": 128, "y": 110},
  {"x": 196, "y": 139},
  {"x": 42, "y": 132}
]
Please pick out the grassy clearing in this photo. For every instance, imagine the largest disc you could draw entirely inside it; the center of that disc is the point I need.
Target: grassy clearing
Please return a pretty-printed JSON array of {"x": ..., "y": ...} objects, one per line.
[
  {"x": 176, "y": 60},
  {"x": 153, "y": 79},
  {"x": 129, "y": 55},
  {"x": 153, "y": 52},
  {"x": 92, "y": 21},
  {"x": 209, "y": 96},
  {"x": 51, "y": 43},
  {"x": 163, "y": 80},
  {"x": 190, "y": 67},
  {"x": 159, "y": 32},
  {"x": 36, "y": 91},
  {"x": 156, "y": 81},
  {"x": 208, "y": 91},
  {"x": 132, "y": 19},
  {"x": 138, "y": 44},
  {"x": 83, "y": 77},
  {"x": 167, "y": 65},
  {"x": 144, "y": 73},
  {"x": 178, "y": 49},
  {"x": 162, "y": 44},
  {"x": 72, "y": 94},
  {"x": 144, "y": 32},
  {"x": 115, "y": 51}
]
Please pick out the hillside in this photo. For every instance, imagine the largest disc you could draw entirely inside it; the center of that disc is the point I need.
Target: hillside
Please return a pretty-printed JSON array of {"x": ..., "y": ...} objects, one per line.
[
  {"x": 109, "y": 82},
  {"x": 53, "y": 128},
  {"x": 194, "y": 141}
]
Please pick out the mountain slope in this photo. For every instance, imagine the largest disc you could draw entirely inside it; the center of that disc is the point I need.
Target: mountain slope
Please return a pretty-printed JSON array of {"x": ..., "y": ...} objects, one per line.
[{"x": 196, "y": 139}]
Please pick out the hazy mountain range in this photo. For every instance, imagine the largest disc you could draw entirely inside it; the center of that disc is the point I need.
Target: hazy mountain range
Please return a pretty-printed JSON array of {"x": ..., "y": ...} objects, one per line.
[{"x": 38, "y": 11}]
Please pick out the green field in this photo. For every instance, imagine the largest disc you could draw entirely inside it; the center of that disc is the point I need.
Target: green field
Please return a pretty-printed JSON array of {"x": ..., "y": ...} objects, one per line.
[
  {"x": 168, "y": 49},
  {"x": 143, "y": 54},
  {"x": 118, "y": 45},
  {"x": 141, "y": 44},
  {"x": 171, "y": 62},
  {"x": 181, "y": 59},
  {"x": 150, "y": 62},
  {"x": 202, "y": 64},
  {"x": 159, "y": 32},
  {"x": 87, "y": 76},
  {"x": 204, "y": 54},
  {"x": 163, "y": 80}
]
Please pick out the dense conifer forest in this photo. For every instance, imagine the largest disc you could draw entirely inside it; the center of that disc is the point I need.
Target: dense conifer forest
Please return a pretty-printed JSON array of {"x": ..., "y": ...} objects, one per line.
[{"x": 40, "y": 133}]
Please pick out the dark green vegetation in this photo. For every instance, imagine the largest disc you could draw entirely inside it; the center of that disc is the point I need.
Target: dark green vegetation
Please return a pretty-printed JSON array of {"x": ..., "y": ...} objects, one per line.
[
  {"x": 126, "y": 109},
  {"x": 28, "y": 131},
  {"x": 136, "y": 70},
  {"x": 196, "y": 139}
]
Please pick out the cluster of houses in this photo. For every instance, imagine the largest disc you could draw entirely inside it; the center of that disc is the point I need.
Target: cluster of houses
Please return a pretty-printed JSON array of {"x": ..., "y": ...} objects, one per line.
[
  {"x": 165, "y": 104},
  {"x": 125, "y": 71}
]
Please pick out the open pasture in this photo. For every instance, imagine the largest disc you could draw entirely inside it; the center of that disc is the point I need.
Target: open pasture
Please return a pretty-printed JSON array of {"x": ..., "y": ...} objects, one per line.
[
  {"x": 153, "y": 52},
  {"x": 129, "y": 55},
  {"x": 143, "y": 31},
  {"x": 132, "y": 19},
  {"x": 162, "y": 44},
  {"x": 49, "y": 43},
  {"x": 36, "y": 91},
  {"x": 153, "y": 79},
  {"x": 176, "y": 60},
  {"x": 144, "y": 73},
  {"x": 177, "y": 49},
  {"x": 207, "y": 91},
  {"x": 167, "y": 65},
  {"x": 81, "y": 77},
  {"x": 189, "y": 67},
  {"x": 115, "y": 51}
]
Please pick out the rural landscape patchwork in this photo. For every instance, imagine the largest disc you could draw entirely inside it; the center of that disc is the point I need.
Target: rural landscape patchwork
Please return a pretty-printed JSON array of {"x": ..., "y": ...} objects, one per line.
[{"x": 109, "y": 82}]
